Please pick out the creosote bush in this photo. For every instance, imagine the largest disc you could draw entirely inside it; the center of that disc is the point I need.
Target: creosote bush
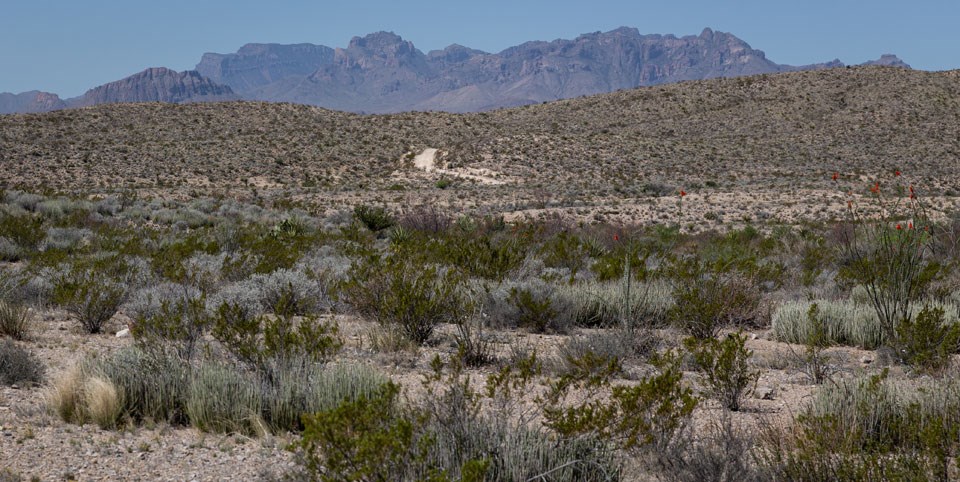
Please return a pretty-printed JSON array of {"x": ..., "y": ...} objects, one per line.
[
  {"x": 724, "y": 364},
  {"x": 91, "y": 292},
  {"x": 411, "y": 297},
  {"x": 710, "y": 296},
  {"x": 447, "y": 437},
  {"x": 644, "y": 418},
  {"x": 926, "y": 342},
  {"x": 270, "y": 343}
]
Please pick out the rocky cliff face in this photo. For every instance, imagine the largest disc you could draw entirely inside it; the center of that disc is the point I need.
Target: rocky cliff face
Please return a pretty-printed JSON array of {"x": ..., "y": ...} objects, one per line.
[
  {"x": 256, "y": 65},
  {"x": 381, "y": 72},
  {"x": 157, "y": 85},
  {"x": 29, "y": 102}
]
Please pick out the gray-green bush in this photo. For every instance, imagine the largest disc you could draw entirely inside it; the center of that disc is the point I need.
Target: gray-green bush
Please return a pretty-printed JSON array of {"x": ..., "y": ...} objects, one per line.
[
  {"x": 19, "y": 366},
  {"x": 606, "y": 304},
  {"x": 845, "y": 322}
]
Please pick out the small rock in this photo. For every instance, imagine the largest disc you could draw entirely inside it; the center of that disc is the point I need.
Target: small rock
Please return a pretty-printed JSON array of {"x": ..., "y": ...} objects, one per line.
[
  {"x": 123, "y": 333},
  {"x": 763, "y": 393},
  {"x": 799, "y": 379},
  {"x": 866, "y": 359}
]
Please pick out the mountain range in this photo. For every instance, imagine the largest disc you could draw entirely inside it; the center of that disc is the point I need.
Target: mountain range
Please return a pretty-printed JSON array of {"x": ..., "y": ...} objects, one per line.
[{"x": 383, "y": 73}]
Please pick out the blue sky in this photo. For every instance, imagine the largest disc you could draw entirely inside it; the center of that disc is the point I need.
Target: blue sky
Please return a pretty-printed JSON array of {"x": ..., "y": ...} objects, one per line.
[{"x": 68, "y": 46}]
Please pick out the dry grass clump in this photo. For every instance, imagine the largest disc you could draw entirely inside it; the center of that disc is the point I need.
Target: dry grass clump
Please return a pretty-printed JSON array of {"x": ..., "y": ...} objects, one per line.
[
  {"x": 103, "y": 402},
  {"x": 14, "y": 320},
  {"x": 66, "y": 397}
]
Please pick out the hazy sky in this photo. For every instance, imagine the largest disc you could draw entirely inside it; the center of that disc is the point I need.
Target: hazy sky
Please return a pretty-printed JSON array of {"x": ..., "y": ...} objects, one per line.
[{"x": 68, "y": 46}]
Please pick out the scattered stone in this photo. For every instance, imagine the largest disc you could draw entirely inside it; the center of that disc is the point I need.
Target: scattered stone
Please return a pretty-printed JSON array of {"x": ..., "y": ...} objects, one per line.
[
  {"x": 763, "y": 392},
  {"x": 867, "y": 359},
  {"x": 123, "y": 333}
]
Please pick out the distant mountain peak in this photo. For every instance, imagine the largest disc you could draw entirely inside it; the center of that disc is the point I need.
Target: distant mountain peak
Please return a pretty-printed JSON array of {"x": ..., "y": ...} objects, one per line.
[
  {"x": 377, "y": 41},
  {"x": 157, "y": 84},
  {"x": 888, "y": 60}
]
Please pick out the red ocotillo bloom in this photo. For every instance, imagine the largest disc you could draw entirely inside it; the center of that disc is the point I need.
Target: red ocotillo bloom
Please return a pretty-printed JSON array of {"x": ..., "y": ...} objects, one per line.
[
  {"x": 876, "y": 188},
  {"x": 836, "y": 175}
]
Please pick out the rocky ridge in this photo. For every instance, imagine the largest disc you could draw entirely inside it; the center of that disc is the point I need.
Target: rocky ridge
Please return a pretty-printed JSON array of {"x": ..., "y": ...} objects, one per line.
[
  {"x": 383, "y": 73},
  {"x": 157, "y": 85}
]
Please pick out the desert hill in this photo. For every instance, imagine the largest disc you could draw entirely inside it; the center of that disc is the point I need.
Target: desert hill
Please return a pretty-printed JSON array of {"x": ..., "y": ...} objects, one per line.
[{"x": 771, "y": 139}]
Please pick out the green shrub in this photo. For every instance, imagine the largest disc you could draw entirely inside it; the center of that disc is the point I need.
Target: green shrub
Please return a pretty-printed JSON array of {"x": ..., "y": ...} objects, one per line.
[
  {"x": 24, "y": 232},
  {"x": 813, "y": 359},
  {"x": 535, "y": 310},
  {"x": 168, "y": 259},
  {"x": 403, "y": 294},
  {"x": 370, "y": 438},
  {"x": 645, "y": 417},
  {"x": 14, "y": 320},
  {"x": 264, "y": 342},
  {"x": 926, "y": 342},
  {"x": 483, "y": 256},
  {"x": 565, "y": 250},
  {"x": 725, "y": 367},
  {"x": 708, "y": 297},
  {"x": 179, "y": 326},
  {"x": 446, "y": 437},
  {"x": 18, "y": 366},
  {"x": 376, "y": 219},
  {"x": 90, "y": 293}
]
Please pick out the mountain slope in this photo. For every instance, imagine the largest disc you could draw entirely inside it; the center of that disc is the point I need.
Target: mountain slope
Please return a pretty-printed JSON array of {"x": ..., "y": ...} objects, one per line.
[
  {"x": 383, "y": 73},
  {"x": 156, "y": 85},
  {"x": 29, "y": 102}
]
